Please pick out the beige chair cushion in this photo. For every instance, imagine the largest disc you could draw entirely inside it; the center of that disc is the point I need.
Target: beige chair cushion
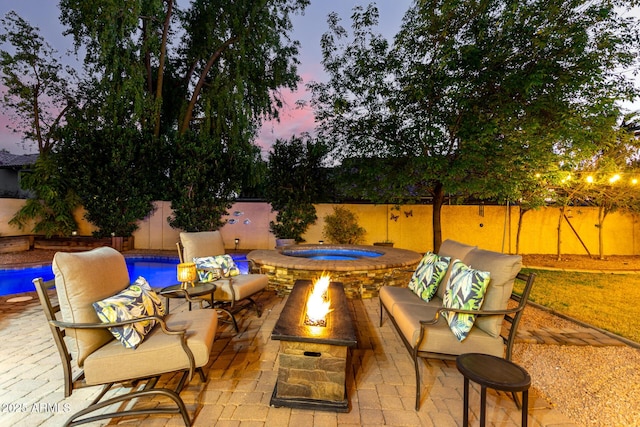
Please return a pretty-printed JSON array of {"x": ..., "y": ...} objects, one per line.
[
  {"x": 454, "y": 250},
  {"x": 244, "y": 286},
  {"x": 201, "y": 244},
  {"x": 393, "y": 298},
  {"x": 503, "y": 268},
  {"x": 81, "y": 279},
  {"x": 439, "y": 338},
  {"x": 158, "y": 353}
]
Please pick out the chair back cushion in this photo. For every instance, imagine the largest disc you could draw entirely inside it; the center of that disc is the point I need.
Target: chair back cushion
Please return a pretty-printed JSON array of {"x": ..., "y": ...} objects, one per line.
[
  {"x": 201, "y": 244},
  {"x": 454, "y": 250},
  {"x": 81, "y": 279},
  {"x": 504, "y": 268}
]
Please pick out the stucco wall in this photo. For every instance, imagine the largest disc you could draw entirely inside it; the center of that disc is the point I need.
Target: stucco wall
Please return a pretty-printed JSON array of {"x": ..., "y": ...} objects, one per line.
[{"x": 410, "y": 227}]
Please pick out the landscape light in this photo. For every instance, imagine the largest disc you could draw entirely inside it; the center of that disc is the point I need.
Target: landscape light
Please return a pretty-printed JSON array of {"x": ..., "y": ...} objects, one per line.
[{"x": 614, "y": 178}]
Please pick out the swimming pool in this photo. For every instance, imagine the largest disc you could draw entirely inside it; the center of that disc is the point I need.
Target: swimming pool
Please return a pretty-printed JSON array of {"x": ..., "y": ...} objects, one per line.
[{"x": 159, "y": 272}]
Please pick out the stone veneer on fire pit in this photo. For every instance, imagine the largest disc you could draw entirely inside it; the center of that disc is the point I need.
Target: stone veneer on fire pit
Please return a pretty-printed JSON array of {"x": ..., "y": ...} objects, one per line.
[
  {"x": 361, "y": 278},
  {"x": 313, "y": 364}
]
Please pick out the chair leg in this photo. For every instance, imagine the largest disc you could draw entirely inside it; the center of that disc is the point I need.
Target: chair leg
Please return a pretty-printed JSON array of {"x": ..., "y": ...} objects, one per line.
[
  {"x": 417, "y": 367},
  {"x": 179, "y": 409},
  {"x": 231, "y": 317},
  {"x": 256, "y": 306}
]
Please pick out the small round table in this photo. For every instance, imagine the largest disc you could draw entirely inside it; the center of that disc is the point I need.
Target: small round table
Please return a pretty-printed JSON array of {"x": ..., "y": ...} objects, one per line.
[
  {"x": 196, "y": 291},
  {"x": 496, "y": 373}
]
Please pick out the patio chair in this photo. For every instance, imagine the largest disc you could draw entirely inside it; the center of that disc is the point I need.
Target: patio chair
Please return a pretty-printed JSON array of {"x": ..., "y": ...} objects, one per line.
[
  {"x": 423, "y": 327},
  {"x": 233, "y": 292},
  {"x": 97, "y": 281}
]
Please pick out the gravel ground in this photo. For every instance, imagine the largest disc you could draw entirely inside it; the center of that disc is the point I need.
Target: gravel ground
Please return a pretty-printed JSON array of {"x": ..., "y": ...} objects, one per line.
[{"x": 594, "y": 386}]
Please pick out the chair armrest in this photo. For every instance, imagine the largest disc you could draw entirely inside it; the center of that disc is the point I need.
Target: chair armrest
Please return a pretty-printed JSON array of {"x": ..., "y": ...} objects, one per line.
[
  {"x": 100, "y": 325},
  {"x": 441, "y": 310},
  {"x": 181, "y": 333}
]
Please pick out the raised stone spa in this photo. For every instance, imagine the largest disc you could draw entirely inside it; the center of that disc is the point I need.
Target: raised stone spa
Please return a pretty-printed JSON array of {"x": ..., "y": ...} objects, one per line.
[{"x": 361, "y": 274}]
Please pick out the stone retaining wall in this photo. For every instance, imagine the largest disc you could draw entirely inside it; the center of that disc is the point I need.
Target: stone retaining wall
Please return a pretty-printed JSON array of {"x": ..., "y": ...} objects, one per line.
[{"x": 357, "y": 283}]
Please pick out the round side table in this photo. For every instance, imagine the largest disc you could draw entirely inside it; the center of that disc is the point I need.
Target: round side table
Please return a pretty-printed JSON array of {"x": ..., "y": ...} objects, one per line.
[
  {"x": 496, "y": 373},
  {"x": 196, "y": 291}
]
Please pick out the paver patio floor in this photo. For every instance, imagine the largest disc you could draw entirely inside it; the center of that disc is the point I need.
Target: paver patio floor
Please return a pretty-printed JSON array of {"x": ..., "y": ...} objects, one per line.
[{"x": 241, "y": 376}]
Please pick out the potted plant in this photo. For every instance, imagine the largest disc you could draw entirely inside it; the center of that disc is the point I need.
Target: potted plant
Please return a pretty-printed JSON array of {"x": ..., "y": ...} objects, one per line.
[
  {"x": 295, "y": 180},
  {"x": 292, "y": 220},
  {"x": 342, "y": 227}
]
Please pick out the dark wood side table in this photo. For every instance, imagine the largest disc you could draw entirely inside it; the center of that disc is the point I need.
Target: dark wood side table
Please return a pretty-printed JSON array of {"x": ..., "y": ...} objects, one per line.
[
  {"x": 191, "y": 293},
  {"x": 496, "y": 373}
]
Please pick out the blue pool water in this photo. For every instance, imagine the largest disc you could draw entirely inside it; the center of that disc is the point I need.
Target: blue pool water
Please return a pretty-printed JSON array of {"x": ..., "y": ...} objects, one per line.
[
  {"x": 159, "y": 272},
  {"x": 339, "y": 254}
]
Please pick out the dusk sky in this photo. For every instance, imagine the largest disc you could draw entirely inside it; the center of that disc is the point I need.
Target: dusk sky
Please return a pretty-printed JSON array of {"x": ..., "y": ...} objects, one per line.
[{"x": 308, "y": 29}]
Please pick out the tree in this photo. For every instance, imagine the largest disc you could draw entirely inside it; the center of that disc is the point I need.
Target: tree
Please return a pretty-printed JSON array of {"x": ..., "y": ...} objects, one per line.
[
  {"x": 203, "y": 96},
  {"x": 609, "y": 180},
  {"x": 38, "y": 93},
  {"x": 38, "y": 89},
  {"x": 295, "y": 181},
  {"x": 110, "y": 168},
  {"x": 476, "y": 97}
]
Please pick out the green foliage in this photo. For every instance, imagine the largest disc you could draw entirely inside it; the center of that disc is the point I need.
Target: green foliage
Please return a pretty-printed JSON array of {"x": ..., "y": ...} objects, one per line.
[
  {"x": 191, "y": 108},
  {"x": 474, "y": 97},
  {"x": 342, "y": 227},
  {"x": 295, "y": 180},
  {"x": 37, "y": 93},
  {"x": 206, "y": 176},
  {"x": 114, "y": 170},
  {"x": 54, "y": 202}
]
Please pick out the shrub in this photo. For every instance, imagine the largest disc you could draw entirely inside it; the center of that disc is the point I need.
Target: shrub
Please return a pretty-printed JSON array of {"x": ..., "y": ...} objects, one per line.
[{"x": 342, "y": 227}]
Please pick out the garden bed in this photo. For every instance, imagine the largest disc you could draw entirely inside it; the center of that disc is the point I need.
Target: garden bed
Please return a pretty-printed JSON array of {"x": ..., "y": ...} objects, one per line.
[{"x": 67, "y": 244}]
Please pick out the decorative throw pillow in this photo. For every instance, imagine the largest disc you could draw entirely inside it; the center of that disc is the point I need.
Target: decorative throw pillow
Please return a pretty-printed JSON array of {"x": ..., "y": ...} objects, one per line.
[
  {"x": 136, "y": 301},
  {"x": 428, "y": 275},
  {"x": 208, "y": 269},
  {"x": 465, "y": 290},
  {"x": 212, "y": 268}
]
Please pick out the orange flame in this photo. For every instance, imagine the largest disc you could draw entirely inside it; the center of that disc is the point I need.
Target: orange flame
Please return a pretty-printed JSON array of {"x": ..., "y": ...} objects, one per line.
[{"x": 318, "y": 305}]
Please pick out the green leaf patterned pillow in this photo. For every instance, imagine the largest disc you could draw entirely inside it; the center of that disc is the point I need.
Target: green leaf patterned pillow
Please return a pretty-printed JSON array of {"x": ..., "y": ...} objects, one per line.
[
  {"x": 138, "y": 300},
  {"x": 428, "y": 275},
  {"x": 464, "y": 290},
  {"x": 212, "y": 268}
]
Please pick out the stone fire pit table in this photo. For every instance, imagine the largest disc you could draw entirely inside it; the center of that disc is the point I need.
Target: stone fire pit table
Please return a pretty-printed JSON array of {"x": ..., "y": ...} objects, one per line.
[{"x": 313, "y": 359}]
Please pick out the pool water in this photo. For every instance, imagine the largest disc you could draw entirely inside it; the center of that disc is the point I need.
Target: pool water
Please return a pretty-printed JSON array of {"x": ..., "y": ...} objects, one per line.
[
  {"x": 159, "y": 272},
  {"x": 337, "y": 254}
]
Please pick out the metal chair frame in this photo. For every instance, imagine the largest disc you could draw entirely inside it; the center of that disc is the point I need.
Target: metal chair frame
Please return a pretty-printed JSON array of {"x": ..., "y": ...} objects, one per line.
[
  {"x": 231, "y": 307},
  {"x": 511, "y": 319},
  {"x": 141, "y": 387}
]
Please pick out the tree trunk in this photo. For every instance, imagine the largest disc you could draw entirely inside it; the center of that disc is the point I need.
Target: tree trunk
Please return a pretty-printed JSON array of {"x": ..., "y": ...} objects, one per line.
[
  {"x": 163, "y": 55},
  {"x": 186, "y": 120},
  {"x": 438, "y": 201},
  {"x": 520, "y": 218},
  {"x": 559, "y": 247},
  {"x": 602, "y": 214}
]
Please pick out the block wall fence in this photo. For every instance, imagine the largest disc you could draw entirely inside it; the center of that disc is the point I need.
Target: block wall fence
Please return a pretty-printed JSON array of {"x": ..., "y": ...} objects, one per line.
[{"x": 409, "y": 227}]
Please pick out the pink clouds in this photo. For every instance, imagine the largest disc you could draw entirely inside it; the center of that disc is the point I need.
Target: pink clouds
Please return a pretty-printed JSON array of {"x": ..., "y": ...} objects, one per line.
[{"x": 294, "y": 120}]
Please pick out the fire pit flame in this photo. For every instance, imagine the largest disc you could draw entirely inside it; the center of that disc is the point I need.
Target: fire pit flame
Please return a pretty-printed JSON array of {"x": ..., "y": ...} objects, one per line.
[{"x": 318, "y": 304}]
